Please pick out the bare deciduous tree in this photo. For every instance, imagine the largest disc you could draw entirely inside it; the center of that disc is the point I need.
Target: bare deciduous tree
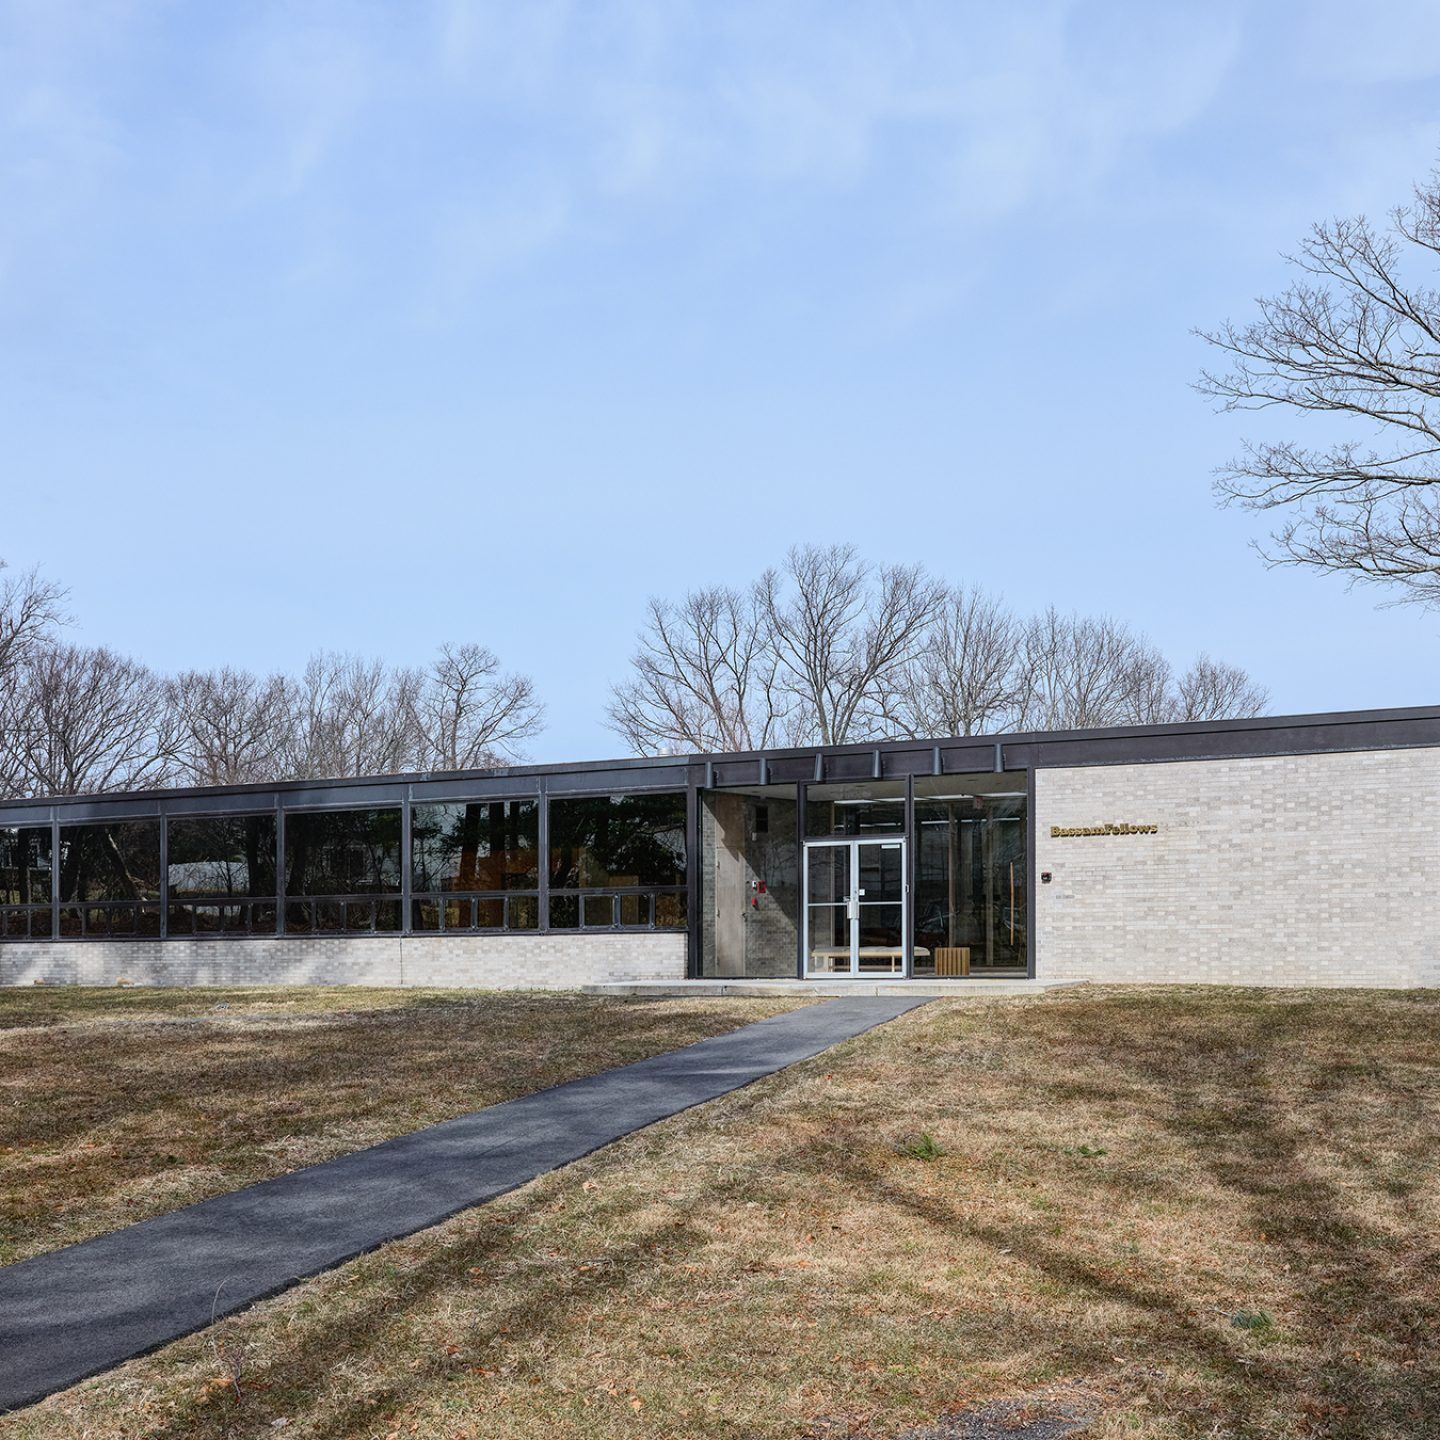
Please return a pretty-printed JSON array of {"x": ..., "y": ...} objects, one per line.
[
  {"x": 1352, "y": 340},
  {"x": 231, "y": 727},
  {"x": 842, "y": 630},
  {"x": 1213, "y": 690},
  {"x": 85, "y": 720},
  {"x": 705, "y": 678},
  {"x": 74, "y": 719},
  {"x": 352, "y": 717},
  {"x": 963, "y": 679},
  {"x": 1078, "y": 672},
  {"x": 31, "y": 610},
  {"x": 842, "y": 651},
  {"x": 469, "y": 714}
]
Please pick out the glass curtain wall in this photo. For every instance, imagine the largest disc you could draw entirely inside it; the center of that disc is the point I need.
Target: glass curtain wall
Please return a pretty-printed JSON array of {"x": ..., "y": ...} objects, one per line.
[
  {"x": 970, "y": 875},
  {"x": 25, "y": 882},
  {"x": 220, "y": 873},
  {"x": 618, "y": 862},
  {"x": 342, "y": 870},
  {"x": 869, "y": 807},
  {"x": 945, "y": 896},
  {"x": 956, "y": 880},
  {"x": 109, "y": 879},
  {"x": 475, "y": 866}
]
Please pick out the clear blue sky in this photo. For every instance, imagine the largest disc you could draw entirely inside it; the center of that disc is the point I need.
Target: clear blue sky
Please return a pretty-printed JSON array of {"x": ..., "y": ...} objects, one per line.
[{"x": 368, "y": 326}]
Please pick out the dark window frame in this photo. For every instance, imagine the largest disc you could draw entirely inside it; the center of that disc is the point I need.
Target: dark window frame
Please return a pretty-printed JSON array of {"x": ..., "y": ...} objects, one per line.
[{"x": 260, "y": 909}]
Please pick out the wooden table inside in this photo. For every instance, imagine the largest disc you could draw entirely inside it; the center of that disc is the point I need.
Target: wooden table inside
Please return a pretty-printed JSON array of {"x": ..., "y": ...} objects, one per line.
[{"x": 893, "y": 953}]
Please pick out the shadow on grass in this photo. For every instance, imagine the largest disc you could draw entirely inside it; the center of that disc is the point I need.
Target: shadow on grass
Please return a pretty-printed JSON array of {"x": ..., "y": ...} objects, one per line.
[
  {"x": 1355, "y": 1269},
  {"x": 111, "y": 1123},
  {"x": 1364, "y": 1294},
  {"x": 350, "y": 1339},
  {"x": 1368, "y": 1294}
]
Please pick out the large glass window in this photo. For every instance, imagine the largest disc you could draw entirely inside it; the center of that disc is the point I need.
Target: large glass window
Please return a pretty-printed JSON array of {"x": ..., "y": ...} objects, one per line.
[
  {"x": 476, "y": 866},
  {"x": 871, "y": 807},
  {"x": 221, "y": 874},
  {"x": 970, "y": 881},
  {"x": 613, "y": 840},
  {"x": 476, "y": 847},
  {"x": 25, "y": 882},
  {"x": 339, "y": 867},
  {"x": 109, "y": 879},
  {"x": 623, "y": 845}
]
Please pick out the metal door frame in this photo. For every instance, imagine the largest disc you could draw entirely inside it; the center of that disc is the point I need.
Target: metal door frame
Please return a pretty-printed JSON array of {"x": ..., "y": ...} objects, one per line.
[{"x": 852, "y": 904}]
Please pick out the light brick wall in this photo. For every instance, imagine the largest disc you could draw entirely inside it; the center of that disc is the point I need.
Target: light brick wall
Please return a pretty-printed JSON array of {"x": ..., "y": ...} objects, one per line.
[
  {"x": 504, "y": 962},
  {"x": 1285, "y": 870}
]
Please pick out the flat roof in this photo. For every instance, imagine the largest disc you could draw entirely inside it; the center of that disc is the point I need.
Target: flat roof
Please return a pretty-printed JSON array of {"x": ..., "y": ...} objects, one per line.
[{"x": 1267, "y": 735}]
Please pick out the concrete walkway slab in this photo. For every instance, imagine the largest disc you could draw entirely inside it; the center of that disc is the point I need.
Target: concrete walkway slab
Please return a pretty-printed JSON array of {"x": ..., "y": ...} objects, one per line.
[
  {"x": 973, "y": 988},
  {"x": 80, "y": 1310}
]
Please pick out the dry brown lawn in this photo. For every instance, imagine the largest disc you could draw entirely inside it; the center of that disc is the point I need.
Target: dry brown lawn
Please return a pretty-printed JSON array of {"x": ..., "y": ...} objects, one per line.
[
  {"x": 1183, "y": 1213},
  {"x": 118, "y": 1104}
]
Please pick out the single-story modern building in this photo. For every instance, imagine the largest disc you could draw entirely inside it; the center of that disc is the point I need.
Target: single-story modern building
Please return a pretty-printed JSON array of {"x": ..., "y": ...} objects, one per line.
[{"x": 1297, "y": 850}]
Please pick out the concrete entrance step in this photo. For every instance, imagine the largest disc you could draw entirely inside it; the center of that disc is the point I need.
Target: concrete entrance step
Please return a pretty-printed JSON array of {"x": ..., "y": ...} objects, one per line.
[{"x": 959, "y": 989}]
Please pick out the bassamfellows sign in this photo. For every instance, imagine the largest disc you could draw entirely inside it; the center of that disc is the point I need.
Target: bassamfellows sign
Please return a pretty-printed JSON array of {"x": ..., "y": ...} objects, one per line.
[{"x": 1072, "y": 832}]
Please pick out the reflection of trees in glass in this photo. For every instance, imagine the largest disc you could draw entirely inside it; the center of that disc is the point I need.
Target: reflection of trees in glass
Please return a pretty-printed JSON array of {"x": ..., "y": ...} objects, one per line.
[
  {"x": 491, "y": 846},
  {"x": 342, "y": 852},
  {"x": 119, "y": 861},
  {"x": 232, "y": 855},
  {"x": 24, "y": 865},
  {"x": 617, "y": 840}
]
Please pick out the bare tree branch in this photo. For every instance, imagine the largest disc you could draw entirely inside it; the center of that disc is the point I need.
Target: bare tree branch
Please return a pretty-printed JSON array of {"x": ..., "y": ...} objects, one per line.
[
  {"x": 1212, "y": 690},
  {"x": 31, "y": 611},
  {"x": 83, "y": 721},
  {"x": 231, "y": 727},
  {"x": 1353, "y": 339},
  {"x": 1078, "y": 672},
  {"x": 353, "y": 717},
  {"x": 705, "y": 678},
  {"x": 470, "y": 715},
  {"x": 834, "y": 651},
  {"x": 842, "y": 631},
  {"x": 963, "y": 680}
]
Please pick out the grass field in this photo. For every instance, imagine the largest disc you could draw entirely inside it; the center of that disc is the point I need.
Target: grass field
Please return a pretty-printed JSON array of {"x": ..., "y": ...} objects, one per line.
[
  {"x": 1181, "y": 1213},
  {"x": 118, "y": 1104}
]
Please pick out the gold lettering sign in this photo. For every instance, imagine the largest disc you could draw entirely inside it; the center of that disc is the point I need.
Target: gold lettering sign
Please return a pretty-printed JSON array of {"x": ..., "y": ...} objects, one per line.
[{"x": 1070, "y": 832}]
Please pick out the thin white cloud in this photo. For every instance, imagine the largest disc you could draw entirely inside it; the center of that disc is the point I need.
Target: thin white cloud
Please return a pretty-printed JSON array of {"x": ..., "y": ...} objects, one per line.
[
  {"x": 481, "y": 242},
  {"x": 511, "y": 131},
  {"x": 61, "y": 148},
  {"x": 306, "y": 81}
]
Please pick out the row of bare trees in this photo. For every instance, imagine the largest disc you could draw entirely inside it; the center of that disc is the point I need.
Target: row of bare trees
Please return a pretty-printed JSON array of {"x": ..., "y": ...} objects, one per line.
[
  {"x": 827, "y": 649},
  {"x": 78, "y": 719},
  {"x": 830, "y": 649}
]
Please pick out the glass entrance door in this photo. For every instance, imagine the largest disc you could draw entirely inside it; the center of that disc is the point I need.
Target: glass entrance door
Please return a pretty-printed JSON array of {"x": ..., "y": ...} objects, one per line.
[{"x": 855, "y": 907}]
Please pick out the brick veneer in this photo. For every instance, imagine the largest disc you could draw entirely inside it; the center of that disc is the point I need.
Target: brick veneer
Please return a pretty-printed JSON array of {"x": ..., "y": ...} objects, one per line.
[
  {"x": 1277, "y": 870},
  {"x": 550, "y": 961}
]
